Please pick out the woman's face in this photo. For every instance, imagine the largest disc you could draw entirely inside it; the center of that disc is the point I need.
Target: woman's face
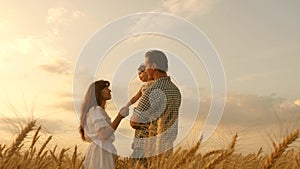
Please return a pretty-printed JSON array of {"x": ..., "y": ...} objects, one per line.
[
  {"x": 143, "y": 76},
  {"x": 105, "y": 93}
]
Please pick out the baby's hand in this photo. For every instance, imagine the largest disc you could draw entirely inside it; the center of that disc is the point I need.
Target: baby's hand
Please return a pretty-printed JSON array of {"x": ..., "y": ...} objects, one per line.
[{"x": 128, "y": 104}]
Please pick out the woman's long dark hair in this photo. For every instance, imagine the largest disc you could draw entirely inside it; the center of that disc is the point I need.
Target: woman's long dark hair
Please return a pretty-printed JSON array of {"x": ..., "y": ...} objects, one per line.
[{"x": 92, "y": 99}]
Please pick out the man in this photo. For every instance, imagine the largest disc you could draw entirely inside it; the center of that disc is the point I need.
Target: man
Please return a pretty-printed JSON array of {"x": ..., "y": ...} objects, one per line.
[{"x": 160, "y": 101}]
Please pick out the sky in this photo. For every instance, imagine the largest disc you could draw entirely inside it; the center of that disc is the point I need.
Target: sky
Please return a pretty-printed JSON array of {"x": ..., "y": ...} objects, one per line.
[{"x": 257, "y": 43}]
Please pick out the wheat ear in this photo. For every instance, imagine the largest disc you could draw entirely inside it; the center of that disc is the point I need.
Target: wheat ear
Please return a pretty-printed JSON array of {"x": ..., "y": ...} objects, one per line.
[
  {"x": 224, "y": 154},
  {"x": 35, "y": 137},
  {"x": 22, "y": 135},
  {"x": 280, "y": 149},
  {"x": 187, "y": 155}
]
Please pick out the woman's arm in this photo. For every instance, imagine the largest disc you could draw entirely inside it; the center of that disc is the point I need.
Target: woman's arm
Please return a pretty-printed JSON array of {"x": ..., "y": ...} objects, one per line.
[{"x": 106, "y": 132}]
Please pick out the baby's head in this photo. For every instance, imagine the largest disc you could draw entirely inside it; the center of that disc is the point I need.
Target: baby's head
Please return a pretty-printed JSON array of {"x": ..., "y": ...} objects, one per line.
[{"x": 142, "y": 74}]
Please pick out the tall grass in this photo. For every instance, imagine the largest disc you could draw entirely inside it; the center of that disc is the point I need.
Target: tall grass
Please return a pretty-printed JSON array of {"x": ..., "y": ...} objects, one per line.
[
  {"x": 26, "y": 154},
  {"x": 20, "y": 156}
]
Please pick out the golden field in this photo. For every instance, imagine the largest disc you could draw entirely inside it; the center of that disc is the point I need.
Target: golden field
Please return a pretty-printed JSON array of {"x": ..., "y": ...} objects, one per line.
[{"x": 23, "y": 153}]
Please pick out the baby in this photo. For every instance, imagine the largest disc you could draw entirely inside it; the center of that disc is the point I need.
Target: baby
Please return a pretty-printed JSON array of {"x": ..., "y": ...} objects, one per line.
[{"x": 147, "y": 83}]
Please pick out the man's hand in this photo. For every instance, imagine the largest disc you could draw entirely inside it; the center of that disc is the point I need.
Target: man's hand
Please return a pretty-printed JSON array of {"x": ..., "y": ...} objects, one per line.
[{"x": 135, "y": 122}]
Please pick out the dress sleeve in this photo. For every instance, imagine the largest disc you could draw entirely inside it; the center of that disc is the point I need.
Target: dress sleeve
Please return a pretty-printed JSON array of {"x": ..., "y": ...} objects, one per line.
[{"x": 98, "y": 120}]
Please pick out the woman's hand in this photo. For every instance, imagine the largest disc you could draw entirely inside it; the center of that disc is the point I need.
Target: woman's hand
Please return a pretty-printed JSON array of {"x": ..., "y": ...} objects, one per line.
[
  {"x": 106, "y": 132},
  {"x": 124, "y": 111}
]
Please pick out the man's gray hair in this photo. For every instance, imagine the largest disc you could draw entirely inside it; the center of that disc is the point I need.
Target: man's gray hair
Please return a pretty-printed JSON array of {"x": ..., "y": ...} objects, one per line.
[{"x": 159, "y": 58}]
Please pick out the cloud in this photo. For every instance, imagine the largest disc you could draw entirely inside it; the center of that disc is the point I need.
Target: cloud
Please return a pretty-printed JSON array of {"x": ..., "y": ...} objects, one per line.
[
  {"x": 255, "y": 76},
  {"x": 188, "y": 8},
  {"x": 47, "y": 49},
  {"x": 10, "y": 51},
  {"x": 22, "y": 52},
  {"x": 244, "y": 111},
  {"x": 61, "y": 15},
  {"x": 252, "y": 110},
  {"x": 53, "y": 125},
  {"x": 62, "y": 104},
  {"x": 65, "y": 95},
  {"x": 52, "y": 56},
  {"x": 57, "y": 15},
  {"x": 250, "y": 77},
  {"x": 251, "y": 116},
  {"x": 185, "y": 9},
  {"x": 78, "y": 13},
  {"x": 57, "y": 65},
  {"x": 11, "y": 125},
  {"x": 66, "y": 105}
]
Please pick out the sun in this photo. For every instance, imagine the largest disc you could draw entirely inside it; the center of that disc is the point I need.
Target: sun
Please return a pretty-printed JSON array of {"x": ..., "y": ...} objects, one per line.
[{"x": 297, "y": 102}]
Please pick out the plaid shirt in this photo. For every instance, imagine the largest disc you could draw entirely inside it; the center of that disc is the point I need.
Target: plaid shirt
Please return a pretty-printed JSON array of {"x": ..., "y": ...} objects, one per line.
[{"x": 161, "y": 100}]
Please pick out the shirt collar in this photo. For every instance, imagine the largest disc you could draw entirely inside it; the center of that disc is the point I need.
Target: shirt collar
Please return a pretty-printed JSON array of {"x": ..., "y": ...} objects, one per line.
[{"x": 163, "y": 78}]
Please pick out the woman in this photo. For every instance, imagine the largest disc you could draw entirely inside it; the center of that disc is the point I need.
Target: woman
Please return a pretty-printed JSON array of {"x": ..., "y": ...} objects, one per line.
[{"x": 96, "y": 127}]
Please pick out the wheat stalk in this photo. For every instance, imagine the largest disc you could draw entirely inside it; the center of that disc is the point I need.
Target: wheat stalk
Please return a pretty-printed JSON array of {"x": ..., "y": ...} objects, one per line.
[
  {"x": 297, "y": 158},
  {"x": 74, "y": 157},
  {"x": 25, "y": 159},
  {"x": 32, "y": 153},
  {"x": 224, "y": 154},
  {"x": 22, "y": 135},
  {"x": 280, "y": 149},
  {"x": 81, "y": 162},
  {"x": 233, "y": 142},
  {"x": 187, "y": 155},
  {"x": 259, "y": 152},
  {"x": 212, "y": 152},
  {"x": 35, "y": 137},
  {"x": 44, "y": 164},
  {"x": 61, "y": 156},
  {"x": 54, "y": 157},
  {"x": 149, "y": 145},
  {"x": 1, "y": 150},
  {"x": 159, "y": 135},
  {"x": 54, "y": 149},
  {"x": 41, "y": 160},
  {"x": 44, "y": 146},
  {"x": 137, "y": 165},
  {"x": 219, "y": 158}
]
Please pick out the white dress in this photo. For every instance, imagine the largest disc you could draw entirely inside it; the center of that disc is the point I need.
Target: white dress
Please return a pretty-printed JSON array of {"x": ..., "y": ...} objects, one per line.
[{"x": 100, "y": 153}]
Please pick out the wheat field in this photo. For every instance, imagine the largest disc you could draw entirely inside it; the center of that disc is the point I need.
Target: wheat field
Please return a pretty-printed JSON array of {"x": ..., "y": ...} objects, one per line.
[{"x": 23, "y": 153}]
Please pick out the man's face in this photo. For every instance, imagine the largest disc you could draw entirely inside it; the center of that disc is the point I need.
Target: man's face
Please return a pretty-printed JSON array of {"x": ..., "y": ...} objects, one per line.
[{"x": 149, "y": 70}]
